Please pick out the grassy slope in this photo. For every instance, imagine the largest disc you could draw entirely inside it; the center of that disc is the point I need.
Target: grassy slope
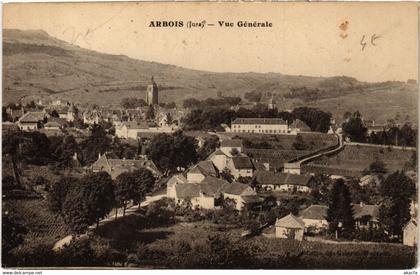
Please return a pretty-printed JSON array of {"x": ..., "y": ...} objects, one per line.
[
  {"x": 38, "y": 65},
  {"x": 358, "y": 158},
  {"x": 314, "y": 254}
]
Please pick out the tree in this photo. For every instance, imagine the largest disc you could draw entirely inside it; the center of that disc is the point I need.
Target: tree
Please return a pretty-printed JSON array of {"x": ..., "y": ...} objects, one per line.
[
  {"x": 209, "y": 146},
  {"x": 355, "y": 129},
  {"x": 397, "y": 191},
  {"x": 58, "y": 192},
  {"x": 340, "y": 210},
  {"x": 133, "y": 186},
  {"x": 89, "y": 201},
  {"x": 66, "y": 150},
  {"x": 54, "y": 113},
  {"x": 377, "y": 167},
  {"x": 12, "y": 233},
  {"x": 317, "y": 120},
  {"x": 170, "y": 152},
  {"x": 234, "y": 152},
  {"x": 97, "y": 143},
  {"x": 150, "y": 114},
  {"x": 191, "y": 103},
  {"x": 299, "y": 143},
  {"x": 226, "y": 175}
]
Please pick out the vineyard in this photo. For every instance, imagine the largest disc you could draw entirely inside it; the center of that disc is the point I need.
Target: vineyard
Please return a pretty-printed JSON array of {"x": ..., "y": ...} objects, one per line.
[
  {"x": 357, "y": 158},
  {"x": 313, "y": 140},
  {"x": 41, "y": 224}
]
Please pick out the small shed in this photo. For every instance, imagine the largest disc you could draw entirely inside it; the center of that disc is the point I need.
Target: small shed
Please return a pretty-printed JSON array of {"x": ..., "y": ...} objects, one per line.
[
  {"x": 290, "y": 227},
  {"x": 410, "y": 233}
]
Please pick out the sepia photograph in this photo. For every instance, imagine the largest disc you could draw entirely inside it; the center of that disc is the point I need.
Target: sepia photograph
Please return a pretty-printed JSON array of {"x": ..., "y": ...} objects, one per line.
[{"x": 210, "y": 135}]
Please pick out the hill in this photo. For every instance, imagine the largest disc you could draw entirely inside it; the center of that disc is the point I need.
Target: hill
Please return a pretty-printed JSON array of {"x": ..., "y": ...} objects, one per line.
[{"x": 37, "y": 65}]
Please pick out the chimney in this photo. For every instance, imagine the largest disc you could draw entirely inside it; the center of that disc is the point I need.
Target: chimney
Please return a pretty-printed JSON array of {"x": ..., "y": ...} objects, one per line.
[
  {"x": 99, "y": 155},
  {"x": 361, "y": 204},
  {"x": 75, "y": 156}
]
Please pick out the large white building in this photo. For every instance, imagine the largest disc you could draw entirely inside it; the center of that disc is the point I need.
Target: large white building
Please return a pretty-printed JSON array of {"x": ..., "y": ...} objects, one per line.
[{"x": 260, "y": 126}]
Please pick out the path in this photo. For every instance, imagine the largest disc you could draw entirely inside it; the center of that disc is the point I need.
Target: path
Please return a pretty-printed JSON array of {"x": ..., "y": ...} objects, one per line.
[
  {"x": 323, "y": 152},
  {"x": 111, "y": 217}
]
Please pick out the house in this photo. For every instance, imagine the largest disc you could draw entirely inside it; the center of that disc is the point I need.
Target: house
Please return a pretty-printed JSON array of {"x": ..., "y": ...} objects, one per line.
[
  {"x": 227, "y": 145},
  {"x": 371, "y": 180},
  {"x": 219, "y": 159},
  {"x": 286, "y": 182},
  {"x": 31, "y": 121},
  {"x": 205, "y": 194},
  {"x": 411, "y": 233},
  {"x": 129, "y": 129},
  {"x": 298, "y": 126},
  {"x": 61, "y": 121},
  {"x": 240, "y": 166},
  {"x": 237, "y": 192},
  {"x": 92, "y": 117},
  {"x": 52, "y": 125},
  {"x": 315, "y": 216},
  {"x": 260, "y": 126},
  {"x": 115, "y": 167},
  {"x": 200, "y": 171},
  {"x": 136, "y": 129},
  {"x": 366, "y": 215},
  {"x": 290, "y": 227}
]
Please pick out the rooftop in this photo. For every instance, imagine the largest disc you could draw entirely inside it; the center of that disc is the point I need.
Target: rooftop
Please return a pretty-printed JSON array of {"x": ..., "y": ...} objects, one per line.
[
  {"x": 231, "y": 143},
  {"x": 315, "y": 212},
  {"x": 235, "y": 188},
  {"x": 277, "y": 121},
  {"x": 290, "y": 221},
  {"x": 242, "y": 162},
  {"x": 32, "y": 117},
  {"x": 272, "y": 178}
]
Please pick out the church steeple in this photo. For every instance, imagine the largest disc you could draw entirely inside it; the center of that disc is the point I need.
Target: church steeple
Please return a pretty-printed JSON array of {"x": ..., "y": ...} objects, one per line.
[{"x": 152, "y": 96}]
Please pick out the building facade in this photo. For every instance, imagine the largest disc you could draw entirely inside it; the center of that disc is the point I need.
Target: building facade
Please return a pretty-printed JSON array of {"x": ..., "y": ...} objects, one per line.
[{"x": 260, "y": 126}]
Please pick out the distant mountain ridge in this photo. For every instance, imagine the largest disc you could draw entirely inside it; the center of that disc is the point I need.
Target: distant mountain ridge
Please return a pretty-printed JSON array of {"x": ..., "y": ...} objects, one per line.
[{"x": 37, "y": 65}]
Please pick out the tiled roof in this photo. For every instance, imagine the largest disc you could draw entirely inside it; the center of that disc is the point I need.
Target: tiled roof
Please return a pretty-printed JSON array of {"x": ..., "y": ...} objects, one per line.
[
  {"x": 231, "y": 143},
  {"x": 242, "y": 163},
  {"x": 177, "y": 179},
  {"x": 234, "y": 188},
  {"x": 315, "y": 212},
  {"x": 136, "y": 125},
  {"x": 52, "y": 124},
  {"x": 205, "y": 168},
  {"x": 212, "y": 186},
  {"x": 118, "y": 166},
  {"x": 290, "y": 221},
  {"x": 61, "y": 121},
  {"x": 366, "y": 210},
  {"x": 32, "y": 117},
  {"x": 269, "y": 177},
  {"x": 252, "y": 199},
  {"x": 259, "y": 121},
  {"x": 299, "y": 124}
]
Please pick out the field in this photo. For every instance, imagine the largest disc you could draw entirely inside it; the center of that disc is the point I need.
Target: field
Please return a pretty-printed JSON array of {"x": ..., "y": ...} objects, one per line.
[
  {"x": 357, "y": 158},
  {"x": 161, "y": 247},
  {"x": 42, "y": 225},
  {"x": 315, "y": 141}
]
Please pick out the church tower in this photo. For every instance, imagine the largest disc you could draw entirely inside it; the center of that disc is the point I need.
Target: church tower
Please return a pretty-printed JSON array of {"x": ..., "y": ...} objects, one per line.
[{"x": 152, "y": 96}]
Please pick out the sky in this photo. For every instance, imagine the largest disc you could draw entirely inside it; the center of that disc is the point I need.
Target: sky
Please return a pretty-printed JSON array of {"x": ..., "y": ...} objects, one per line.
[{"x": 368, "y": 41}]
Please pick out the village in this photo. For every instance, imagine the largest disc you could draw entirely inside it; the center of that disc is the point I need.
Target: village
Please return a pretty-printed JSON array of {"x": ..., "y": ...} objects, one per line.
[{"x": 275, "y": 173}]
